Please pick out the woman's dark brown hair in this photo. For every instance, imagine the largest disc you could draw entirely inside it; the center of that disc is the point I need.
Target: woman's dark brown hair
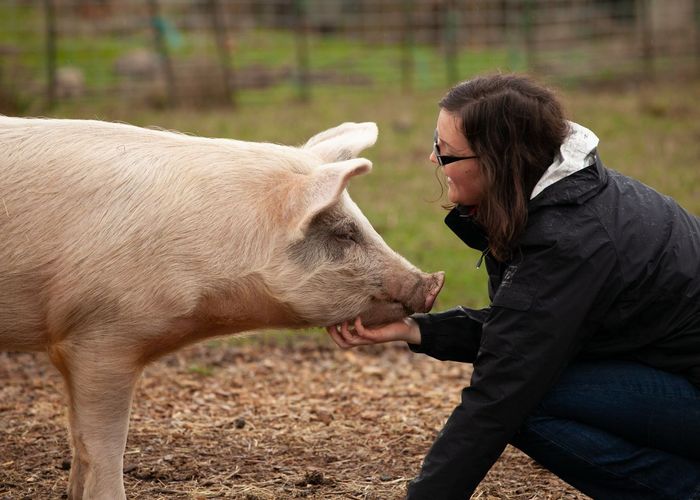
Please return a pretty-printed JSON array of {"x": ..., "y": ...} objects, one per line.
[{"x": 516, "y": 127}]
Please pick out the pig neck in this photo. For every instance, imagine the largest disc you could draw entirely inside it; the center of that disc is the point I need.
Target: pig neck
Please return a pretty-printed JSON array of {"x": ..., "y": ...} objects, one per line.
[
  {"x": 246, "y": 304},
  {"x": 242, "y": 306}
]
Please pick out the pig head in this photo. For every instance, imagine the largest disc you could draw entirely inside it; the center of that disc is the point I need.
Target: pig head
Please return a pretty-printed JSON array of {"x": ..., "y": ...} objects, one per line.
[
  {"x": 120, "y": 244},
  {"x": 334, "y": 265}
]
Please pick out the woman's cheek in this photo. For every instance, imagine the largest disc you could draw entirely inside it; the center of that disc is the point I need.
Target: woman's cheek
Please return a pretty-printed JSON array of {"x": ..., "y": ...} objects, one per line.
[{"x": 453, "y": 193}]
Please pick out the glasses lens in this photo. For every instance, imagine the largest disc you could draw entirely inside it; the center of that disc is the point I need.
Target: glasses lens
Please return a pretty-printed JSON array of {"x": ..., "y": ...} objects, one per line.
[{"x": 436, "y": 149}]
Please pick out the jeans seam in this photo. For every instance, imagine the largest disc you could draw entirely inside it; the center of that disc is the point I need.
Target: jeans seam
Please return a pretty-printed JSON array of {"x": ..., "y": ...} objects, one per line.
[{"x": 573, "y": 452}]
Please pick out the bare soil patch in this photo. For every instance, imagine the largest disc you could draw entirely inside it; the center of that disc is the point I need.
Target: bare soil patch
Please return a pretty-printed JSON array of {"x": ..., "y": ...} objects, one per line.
[{"x": 261, "y": 420}]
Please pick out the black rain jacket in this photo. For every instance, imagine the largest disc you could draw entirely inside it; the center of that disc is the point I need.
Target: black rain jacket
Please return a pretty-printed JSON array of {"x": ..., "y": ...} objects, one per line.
[{"x": 606, "y": 268}]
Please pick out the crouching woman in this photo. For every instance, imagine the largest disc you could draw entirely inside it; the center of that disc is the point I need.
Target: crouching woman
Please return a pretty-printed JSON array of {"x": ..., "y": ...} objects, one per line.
[{"x": 588, "y": 357}]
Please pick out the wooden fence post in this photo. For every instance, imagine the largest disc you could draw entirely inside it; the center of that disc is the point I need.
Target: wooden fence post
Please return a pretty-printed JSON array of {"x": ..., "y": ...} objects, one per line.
[
  {"x": 302, "y": 38},
  {"x": 158, "y": 26},
  {"x": 528, "y": 29},
  {"x": 219, "y": 26},
  {"x": 50, "y": 13},
  {"x": 697, "y": 33},
  {"x": 451, "y": 26},
  {"x": 407, "y": 46},
  {"x": 645, "y": 32}
]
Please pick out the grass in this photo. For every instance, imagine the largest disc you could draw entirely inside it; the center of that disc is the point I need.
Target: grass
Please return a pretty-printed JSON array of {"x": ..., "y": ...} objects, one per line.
[
  {"x": 335, "y": 56},
  {"x": 649, "y": 132},
  {"x": 23, "y": 26},
  {"x": 202, "y": 370}
]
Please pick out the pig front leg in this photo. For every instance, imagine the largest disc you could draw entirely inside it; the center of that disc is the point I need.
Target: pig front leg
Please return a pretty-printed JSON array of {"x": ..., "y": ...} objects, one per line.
[{"x": 100, "y": 386}]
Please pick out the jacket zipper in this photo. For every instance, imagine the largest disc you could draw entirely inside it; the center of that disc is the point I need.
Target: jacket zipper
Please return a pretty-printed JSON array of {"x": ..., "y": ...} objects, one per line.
[{"x": 481, "y": 258}]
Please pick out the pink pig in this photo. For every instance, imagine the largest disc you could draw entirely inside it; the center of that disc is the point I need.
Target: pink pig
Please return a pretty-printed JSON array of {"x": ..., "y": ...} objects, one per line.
[{"x": 119, "y": 244}]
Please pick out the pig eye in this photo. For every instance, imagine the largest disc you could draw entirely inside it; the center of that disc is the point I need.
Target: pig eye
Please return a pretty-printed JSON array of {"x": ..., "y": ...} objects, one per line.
[
  {"x": 346, "y": 236},
  {"x": 346, "y": 233}
]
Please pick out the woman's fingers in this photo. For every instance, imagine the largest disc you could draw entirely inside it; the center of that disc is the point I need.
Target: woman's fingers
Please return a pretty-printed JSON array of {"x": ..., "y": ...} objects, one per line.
[
  {"x": 368, "y": 336},
  {"x": 334, "y": 332},
  {"x": 385, "y": 333},
  {"x": 359, "y": 327},
  {"x": 347, "y": 336},
  {"x": 350, "y": 335},
  {"x": 344, "y": 336}
]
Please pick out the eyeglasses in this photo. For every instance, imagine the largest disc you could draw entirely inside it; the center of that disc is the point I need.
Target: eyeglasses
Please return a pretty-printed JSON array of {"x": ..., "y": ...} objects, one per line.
[{"x": 443, "y": 159}]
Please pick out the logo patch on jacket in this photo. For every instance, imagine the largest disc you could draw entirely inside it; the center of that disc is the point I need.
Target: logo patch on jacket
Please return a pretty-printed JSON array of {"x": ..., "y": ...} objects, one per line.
[{"x": 508, "y": 275}]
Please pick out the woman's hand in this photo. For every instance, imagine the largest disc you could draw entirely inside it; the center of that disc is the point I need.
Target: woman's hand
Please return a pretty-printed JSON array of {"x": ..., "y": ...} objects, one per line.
[{"x": 346, "y": 336}]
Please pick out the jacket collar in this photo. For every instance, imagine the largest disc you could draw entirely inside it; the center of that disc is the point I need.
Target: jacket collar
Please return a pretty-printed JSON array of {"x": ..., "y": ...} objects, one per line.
[
  {"x": 575, "y": 153},
  {"x": 574, "y": 189},
  {"x": 461, "y": 221}
]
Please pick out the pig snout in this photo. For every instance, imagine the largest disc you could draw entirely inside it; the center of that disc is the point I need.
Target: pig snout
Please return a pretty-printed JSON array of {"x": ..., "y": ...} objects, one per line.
[
  {"x": 435, "y": 282},
  {"x": 429, "y": 287},
  {"x": 408, "y": 297}
]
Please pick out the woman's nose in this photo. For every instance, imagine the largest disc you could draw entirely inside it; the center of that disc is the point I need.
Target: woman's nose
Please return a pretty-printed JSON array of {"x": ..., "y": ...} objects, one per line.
[{"x": 432, "y": 157}]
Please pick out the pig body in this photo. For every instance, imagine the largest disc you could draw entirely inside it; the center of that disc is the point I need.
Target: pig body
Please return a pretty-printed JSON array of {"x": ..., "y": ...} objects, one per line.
[{"x": 119, "y": 244}]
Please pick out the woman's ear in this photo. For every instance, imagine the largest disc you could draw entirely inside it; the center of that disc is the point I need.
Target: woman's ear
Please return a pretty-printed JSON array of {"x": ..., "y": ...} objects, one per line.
[{"x": 343, "y": 142}]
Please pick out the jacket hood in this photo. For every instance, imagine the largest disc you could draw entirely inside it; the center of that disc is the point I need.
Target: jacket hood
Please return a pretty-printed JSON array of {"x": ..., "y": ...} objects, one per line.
[
  {"x": 576, "y": 153},
  {"x": 575, "y": 175}
]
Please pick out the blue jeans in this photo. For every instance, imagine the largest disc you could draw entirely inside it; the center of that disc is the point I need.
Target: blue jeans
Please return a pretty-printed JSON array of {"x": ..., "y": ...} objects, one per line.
[{"x": 619, "y": 430}]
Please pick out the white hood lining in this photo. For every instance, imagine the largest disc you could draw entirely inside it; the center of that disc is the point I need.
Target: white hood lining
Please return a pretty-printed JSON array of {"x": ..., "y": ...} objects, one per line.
[{"x": 576, "y": 153}]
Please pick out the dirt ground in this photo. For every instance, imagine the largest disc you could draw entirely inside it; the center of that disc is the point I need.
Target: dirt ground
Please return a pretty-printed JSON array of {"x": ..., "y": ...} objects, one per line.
[{"x": 258, "y": 420}]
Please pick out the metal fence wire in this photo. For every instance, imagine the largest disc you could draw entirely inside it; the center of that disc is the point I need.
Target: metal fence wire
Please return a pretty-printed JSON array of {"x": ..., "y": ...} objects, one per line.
[{"x": 174, "y": 52}]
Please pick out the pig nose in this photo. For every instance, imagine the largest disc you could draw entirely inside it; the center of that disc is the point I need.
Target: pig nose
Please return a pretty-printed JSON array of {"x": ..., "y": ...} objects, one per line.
[{"x": 439, "y": 280}]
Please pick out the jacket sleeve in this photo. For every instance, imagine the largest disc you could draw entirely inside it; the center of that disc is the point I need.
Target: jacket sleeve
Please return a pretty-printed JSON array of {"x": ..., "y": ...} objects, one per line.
[
  {"x": 540, "y": 315},
  {"x": 452, "y": 335}
]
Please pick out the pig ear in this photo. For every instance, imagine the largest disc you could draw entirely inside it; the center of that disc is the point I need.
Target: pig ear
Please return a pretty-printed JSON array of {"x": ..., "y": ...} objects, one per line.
[
  {"x": 343, "y": 142},
  {"x": 327, "y": 185}
]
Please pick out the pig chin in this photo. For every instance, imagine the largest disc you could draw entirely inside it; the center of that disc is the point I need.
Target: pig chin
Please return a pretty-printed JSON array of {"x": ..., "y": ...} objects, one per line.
[{"x": 381, "y": 313}]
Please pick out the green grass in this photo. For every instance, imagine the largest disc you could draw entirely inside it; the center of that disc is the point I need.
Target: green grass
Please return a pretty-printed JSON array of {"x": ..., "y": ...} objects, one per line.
[
  {"x": 339, "y": 56},
  {"x": 334, "y": 57},
  {"x": 651, "y": 133},
  {"x": 200, "y": 369}
]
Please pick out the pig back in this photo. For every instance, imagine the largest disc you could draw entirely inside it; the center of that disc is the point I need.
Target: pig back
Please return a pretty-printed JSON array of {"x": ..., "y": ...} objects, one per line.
[{"x": 141, "y": 218}]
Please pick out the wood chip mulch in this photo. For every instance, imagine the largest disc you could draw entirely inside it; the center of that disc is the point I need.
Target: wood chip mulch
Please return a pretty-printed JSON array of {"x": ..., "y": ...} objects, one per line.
[{"x": 259, "y": 420}]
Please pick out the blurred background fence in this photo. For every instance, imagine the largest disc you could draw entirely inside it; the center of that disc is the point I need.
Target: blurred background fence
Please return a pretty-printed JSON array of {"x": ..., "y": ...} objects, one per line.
[{"x": 224, "y": 52}]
